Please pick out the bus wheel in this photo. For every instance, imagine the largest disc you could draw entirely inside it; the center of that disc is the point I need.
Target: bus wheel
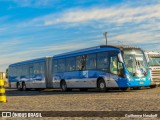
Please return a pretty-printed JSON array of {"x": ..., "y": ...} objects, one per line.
[
  {"x": 63, "y": 86},
  {"x": 24, "y": 86},
  {"x": 125, "y": 89},
  {"x": 101, "y": 85},
  {"x": 19, "y": 86}
]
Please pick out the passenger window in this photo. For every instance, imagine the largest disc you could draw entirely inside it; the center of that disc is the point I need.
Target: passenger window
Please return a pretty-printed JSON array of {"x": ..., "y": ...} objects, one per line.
[
  {"x": 61, "y": 65},
  {"x": 55, "y": 66},
  {"x": 13, "y": 71},
  {"x": 19, "y": 68},
  {"x": 41, "y": 66},
  {"x": 91, "y": 61},
  {"x": 103, "y": 61},
  {"x": 36, "y": 68},
  {"x": 80, "y": 62},
  {"x": 22, "y": 73},
  {"x": 70, "y": 64},
  {"x": 25, "y": 69},
  {"x": 31, "y": 69}
]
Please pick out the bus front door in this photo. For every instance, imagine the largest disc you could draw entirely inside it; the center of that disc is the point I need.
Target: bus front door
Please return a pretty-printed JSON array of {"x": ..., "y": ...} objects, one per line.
[{"x": 113, "y": 71}]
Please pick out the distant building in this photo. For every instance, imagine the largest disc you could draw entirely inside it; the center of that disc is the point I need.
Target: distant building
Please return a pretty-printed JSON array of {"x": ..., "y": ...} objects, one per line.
[{"x": 2, "y": 75}]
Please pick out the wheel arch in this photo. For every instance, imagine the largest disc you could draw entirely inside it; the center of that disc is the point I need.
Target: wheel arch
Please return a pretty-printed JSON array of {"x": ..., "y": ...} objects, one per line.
[
  {"x": 99, "y": 78},
  {"x": 62, "y": 81}
]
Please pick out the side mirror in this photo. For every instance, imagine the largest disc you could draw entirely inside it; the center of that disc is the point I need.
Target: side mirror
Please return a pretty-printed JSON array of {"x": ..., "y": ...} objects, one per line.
[{"x": 120, "y": 58}]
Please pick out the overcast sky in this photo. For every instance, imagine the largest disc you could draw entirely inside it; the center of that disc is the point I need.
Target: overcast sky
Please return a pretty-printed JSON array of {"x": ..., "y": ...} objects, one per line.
[{"x": 37, "y": 28}]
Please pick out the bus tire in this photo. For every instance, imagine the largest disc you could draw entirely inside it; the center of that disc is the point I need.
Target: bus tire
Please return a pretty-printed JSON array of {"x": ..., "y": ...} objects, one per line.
[
  {"x": 24, "y": 86},
  {"x": 63, "y": 86},
  {"x": 19, "y": 86},
  {"x": 101, "y": 85}
]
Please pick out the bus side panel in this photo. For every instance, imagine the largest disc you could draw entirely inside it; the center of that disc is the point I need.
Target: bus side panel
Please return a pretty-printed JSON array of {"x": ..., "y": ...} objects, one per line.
[
  {"x": 33, "y": 74},
  {"x": 38, "y": 80},
  {"x": 83, "y": 79},
  {"x": 56, "y": 80},
  {"x": 12, "y": 82},
  {"x": 73, "y": 79}
]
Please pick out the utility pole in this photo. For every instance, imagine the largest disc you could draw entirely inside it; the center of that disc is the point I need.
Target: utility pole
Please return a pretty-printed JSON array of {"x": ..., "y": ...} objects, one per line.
[{"x": 105, "y": 35}]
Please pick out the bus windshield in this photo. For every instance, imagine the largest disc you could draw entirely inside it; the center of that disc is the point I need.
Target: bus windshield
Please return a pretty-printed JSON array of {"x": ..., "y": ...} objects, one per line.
[
  {"x": 154, "y": 61},
  {"x": 135, "y": 62}
]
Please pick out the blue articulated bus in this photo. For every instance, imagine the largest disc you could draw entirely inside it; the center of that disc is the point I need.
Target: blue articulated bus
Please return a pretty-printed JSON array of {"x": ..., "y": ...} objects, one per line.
[
  {"x": 101, "y": 67},
  {"x": 30, "y": 74}
]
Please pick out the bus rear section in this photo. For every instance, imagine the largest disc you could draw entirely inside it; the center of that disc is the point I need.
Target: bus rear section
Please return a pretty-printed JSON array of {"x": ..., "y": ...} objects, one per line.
[
  {"x": 154, "y": 65},
  {"x": 31, "y": 74}
]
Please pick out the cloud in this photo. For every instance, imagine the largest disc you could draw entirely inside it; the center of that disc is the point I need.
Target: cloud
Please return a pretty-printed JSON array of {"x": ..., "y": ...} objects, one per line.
[{"x": 114, "y": 14}]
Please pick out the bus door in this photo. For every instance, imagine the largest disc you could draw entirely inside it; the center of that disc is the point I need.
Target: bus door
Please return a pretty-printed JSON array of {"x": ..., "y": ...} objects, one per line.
[{"x": 113, "y": 70}]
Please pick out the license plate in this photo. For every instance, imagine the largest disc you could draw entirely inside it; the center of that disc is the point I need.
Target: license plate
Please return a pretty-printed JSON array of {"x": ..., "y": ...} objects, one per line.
[{"x": 141, "y": 82}]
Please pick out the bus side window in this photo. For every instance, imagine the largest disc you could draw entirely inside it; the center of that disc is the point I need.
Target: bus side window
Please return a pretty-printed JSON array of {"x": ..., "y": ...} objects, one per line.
[
  {"x": 12, "y": 71},
  {"x": 70, "y": 64},
  {"x": 103, "y": 61},
  {"x": 61, "y": 65},
  {"x": 30, "y": 69},
  {"x": 19, "y": 68},
  {"x": 39, "y": 68},
  {"x": 41, "y": 65},
  {"x": 55, "y": 66},
  {"x": 80, "y": 62},
  {"x": 91, "y": 61}
]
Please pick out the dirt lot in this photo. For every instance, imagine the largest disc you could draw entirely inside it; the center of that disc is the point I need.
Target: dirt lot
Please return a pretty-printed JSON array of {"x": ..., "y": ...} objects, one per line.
[{"x": 53, "y": 100}]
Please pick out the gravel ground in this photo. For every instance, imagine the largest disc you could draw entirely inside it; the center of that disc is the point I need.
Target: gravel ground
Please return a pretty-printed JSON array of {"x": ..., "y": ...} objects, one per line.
[{"x": 54, "y": 100}]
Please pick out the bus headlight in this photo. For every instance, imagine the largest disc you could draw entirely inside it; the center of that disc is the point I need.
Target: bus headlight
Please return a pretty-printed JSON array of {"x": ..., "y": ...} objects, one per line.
[{"x": 129, "y": 78}]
